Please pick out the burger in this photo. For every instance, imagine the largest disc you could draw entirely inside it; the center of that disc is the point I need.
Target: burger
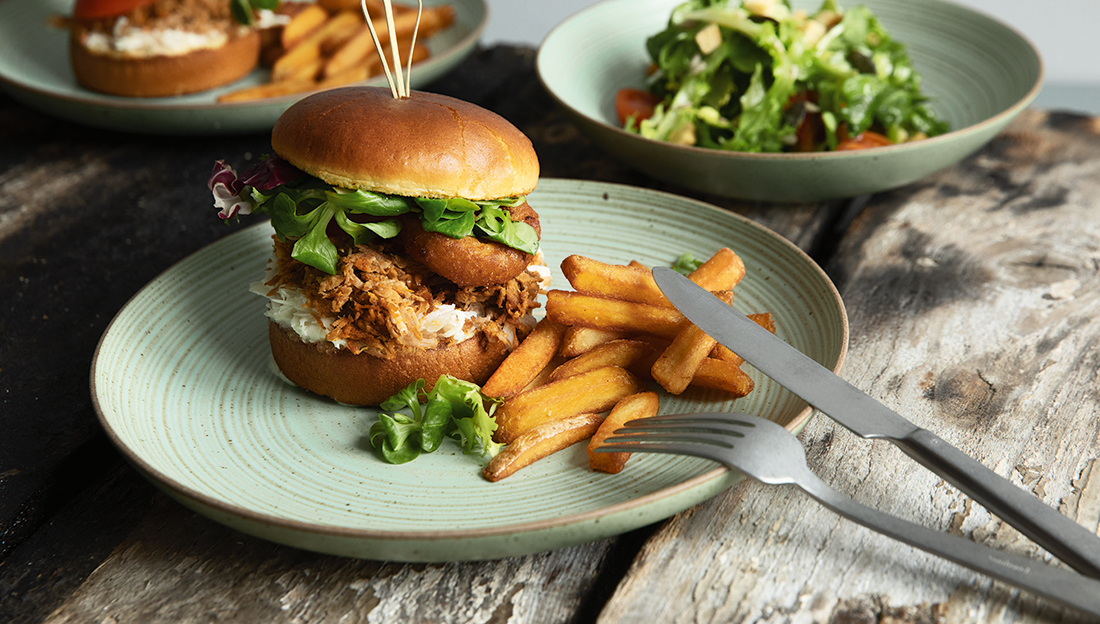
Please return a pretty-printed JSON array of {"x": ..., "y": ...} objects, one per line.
[
  {"x": 404, "y": 247},
  {"x": 156, "y": 48}
]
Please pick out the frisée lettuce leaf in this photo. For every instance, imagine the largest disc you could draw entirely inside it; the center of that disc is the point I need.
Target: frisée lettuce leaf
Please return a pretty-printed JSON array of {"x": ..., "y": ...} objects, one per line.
[{"x": 453, "y": 409}]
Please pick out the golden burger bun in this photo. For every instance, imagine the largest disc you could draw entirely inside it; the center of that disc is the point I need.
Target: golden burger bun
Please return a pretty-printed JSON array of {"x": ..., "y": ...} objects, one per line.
[
  {"x": 425, "y": 145},
  {"x": 367, "y": 380}
]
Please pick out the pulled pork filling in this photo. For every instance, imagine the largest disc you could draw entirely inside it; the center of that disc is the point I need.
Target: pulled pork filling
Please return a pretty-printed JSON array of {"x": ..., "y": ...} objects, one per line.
[
  {"x": 185, "y": 15},
  {"x": 380, "y": 301}
]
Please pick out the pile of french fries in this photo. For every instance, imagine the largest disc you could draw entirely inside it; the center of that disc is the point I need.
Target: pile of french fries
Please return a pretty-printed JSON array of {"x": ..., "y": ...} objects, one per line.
[
  {"x": 597, "y": 349},
  {"x": 327, "y": 44}
]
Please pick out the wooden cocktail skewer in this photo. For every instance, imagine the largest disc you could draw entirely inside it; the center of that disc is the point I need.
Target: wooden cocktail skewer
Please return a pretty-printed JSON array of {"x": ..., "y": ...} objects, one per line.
[
  {"x": 412, "y": 46},
  {"x": 400, "y": 82}
]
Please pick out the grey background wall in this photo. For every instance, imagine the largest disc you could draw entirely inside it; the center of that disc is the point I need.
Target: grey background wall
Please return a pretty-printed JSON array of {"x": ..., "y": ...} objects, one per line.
[{"x": 1066, "y": 32}]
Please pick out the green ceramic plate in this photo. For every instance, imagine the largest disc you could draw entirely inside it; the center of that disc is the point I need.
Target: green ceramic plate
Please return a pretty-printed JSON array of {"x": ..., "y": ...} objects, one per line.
[
  {"x": 979, "y": 72},
  {"x": 34, "y": 69},
  {"x": 183, "y": 383}
]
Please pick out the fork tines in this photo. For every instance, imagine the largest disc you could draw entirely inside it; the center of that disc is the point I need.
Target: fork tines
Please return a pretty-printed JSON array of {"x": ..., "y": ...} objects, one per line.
[
  {"x": 687, "y": 434},
  {"x": 728, "y": 424}
]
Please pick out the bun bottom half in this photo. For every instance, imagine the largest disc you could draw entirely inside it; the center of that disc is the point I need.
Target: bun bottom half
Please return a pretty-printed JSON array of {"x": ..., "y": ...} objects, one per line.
[
  {"x": 368, "y": 380},
  {"x": 165, "y": 76}
]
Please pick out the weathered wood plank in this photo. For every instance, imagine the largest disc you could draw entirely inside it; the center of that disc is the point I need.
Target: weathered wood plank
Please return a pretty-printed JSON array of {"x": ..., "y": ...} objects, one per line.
[
  {"x": 972, "y": 299},
  {"x": 179, "y": 567}
]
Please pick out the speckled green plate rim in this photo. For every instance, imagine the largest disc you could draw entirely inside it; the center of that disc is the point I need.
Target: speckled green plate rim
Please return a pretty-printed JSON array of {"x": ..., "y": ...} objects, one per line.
[{"x": 562, "y": 204}]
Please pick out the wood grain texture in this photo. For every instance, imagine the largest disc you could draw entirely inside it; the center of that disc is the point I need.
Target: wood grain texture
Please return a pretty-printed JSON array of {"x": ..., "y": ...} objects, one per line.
[
  {"x": 179, "y": 567},
  {"x": 971, "y": 298}
]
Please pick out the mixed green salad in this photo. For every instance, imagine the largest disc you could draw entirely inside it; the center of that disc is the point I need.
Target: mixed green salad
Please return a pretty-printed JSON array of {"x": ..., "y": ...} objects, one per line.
[{"x": 758, "y": 76}]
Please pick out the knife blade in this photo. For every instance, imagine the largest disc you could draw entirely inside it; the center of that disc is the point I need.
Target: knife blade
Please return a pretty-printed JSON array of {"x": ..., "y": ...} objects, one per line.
[{"x": 868, "y": 418}]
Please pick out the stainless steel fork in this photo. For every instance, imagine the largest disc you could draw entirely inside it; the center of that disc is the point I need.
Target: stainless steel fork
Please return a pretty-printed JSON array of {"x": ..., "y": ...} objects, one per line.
[{"x": 769, "y": 453}]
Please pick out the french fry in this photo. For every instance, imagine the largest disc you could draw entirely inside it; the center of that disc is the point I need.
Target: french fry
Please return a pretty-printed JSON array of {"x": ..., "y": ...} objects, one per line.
[
  {"x": 268, "y": 90},
  {"x": 293, "y": 60},
  {"x": 624, "y": 353},
  {"x": 634, "y": 282},
  {"x": 354, "y": 74},
  {"x": 403, "y": 26},
  {"x": 676, "y": 366},
  {"x": 722, "y": 352},
  {"x": 359, "y": 48},
  {"x": 304, "y": 22},
  {"x": 355, "y": 51},
  {"x": 633, "y": 407},
  {"x": 527, "y": 360},
  {"x": 544, "y": 375},
  {"x": 306, "y": 71},
  {"x": 291, "y": 87},
  {"x": 342, "y": 5},
  {"x": 329, "y": 43},
  {"x": 540, "y": 442},
  {"x": 580, "y": 340},
  {"x": 722, "y": 271},
  {"x": 594, "y": 391},
  {"x": 721, "y": 375},
  {"x": 374, "y": 7},
  {"x": 613, "y": 281},
  {"x": 570, "y": 308},
  {"x": 763, "y": 319},
  {"x": 335, "y": 30},
  {"x": 374, "y": 64}
]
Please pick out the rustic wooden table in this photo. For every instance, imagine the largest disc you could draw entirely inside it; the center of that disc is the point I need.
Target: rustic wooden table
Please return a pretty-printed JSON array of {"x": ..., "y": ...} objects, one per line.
[{"x": 971, "y": 296}]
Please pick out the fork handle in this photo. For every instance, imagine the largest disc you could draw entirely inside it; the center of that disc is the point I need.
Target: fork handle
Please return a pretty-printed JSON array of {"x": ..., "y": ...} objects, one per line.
[
  {"x": 1064, "y": 587},
  {"x": 1075, "y": 545}
]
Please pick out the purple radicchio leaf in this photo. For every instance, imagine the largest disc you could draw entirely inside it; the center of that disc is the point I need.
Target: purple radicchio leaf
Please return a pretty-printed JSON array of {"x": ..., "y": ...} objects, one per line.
[
  {"x": 269, "y": 173},
  {"x": 226, "y": 188}
]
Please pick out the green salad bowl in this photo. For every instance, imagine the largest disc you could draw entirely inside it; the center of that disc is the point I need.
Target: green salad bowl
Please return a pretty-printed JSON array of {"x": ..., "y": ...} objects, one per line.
[{"x": 978, "y": 73}]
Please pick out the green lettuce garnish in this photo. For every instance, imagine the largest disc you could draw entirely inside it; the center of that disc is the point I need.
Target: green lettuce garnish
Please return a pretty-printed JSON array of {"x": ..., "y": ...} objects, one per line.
[
  {"x": 454, "y": 409},
  {"x": 242, "y": 9},
  {"x": 686, "y": 263},
  {"x": 303, "y": 209},
  {"x": 738, "y": 91}
]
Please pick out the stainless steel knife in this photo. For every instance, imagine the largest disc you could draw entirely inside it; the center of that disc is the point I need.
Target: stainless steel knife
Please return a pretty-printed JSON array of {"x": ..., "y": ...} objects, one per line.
[{"x": 868, "y": 418}]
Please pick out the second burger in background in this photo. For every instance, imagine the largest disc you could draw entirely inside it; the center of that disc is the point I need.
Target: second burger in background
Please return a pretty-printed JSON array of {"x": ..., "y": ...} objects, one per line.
[
  {"x": 160, "y": 48},
  {"x": 404, "y": 245}
]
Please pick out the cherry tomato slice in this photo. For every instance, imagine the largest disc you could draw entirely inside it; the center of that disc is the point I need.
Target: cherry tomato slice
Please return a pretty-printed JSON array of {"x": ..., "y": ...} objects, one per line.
[
  {"x": 95, "y": 9},
  {"x": 864, "y": 140},
  {"x": 634, "y": 102}
]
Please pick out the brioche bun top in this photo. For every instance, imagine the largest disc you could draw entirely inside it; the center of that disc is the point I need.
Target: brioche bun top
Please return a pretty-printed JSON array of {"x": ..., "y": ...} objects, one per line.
[{"x": 425, "y": 145}]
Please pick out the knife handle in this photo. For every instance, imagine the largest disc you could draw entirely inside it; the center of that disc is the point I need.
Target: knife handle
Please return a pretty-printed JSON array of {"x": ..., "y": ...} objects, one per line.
[
  {"x": 1062, "y": 586},
  {"x": 1075, "y": 545}
]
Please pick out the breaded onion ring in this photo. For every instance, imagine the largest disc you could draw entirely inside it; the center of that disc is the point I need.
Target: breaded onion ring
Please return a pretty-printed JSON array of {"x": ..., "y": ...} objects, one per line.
[{"x": 469, "y": 261}]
